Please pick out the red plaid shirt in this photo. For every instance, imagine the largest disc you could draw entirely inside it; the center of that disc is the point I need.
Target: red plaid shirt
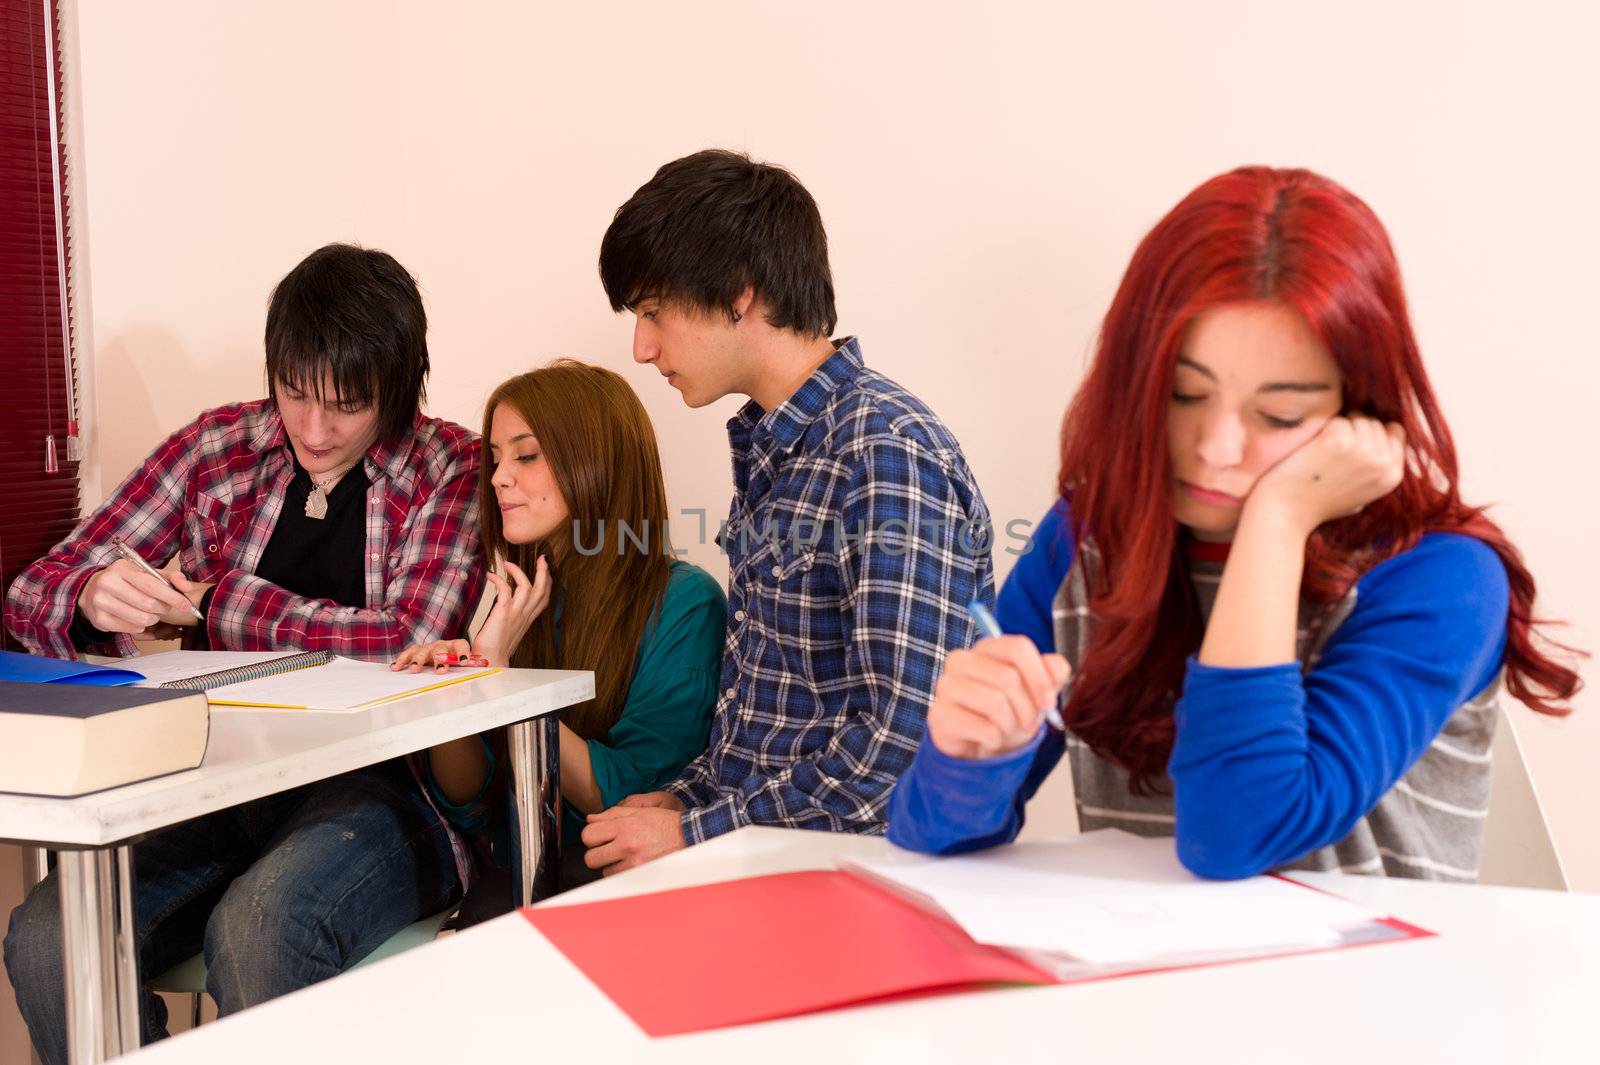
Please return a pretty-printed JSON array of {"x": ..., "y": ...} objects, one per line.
[{"x": 212, "y": 493}]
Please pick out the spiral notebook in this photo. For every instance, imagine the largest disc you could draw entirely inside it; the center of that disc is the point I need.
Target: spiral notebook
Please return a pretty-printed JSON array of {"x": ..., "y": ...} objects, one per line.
[
  {"x": 204, "y": 670},
  {"x": 308, "y": 680}
]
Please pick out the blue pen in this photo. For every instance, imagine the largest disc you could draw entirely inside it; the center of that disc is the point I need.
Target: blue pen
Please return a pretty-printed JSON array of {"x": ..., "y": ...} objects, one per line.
[{"x": 988, "y": 626}]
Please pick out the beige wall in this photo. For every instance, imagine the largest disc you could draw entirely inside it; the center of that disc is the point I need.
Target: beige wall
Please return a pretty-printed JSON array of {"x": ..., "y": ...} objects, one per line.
[{"x": 984, "y": 176}]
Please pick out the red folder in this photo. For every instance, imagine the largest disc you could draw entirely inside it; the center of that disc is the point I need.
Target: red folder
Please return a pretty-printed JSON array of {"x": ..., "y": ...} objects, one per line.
[{"x": 765, "y": 947}]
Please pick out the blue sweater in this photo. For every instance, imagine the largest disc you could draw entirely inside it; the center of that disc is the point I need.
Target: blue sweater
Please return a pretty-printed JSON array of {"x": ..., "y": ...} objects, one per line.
[{"x": 1268, "y": 763}]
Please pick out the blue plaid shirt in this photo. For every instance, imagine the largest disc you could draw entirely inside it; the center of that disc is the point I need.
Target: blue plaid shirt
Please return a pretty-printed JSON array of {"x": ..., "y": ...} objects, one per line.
[{"x": 855, "y": 539}]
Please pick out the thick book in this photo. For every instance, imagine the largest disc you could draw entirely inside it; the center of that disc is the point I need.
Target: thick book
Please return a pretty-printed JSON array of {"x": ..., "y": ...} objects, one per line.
[
  {"x": 72, "y": 739},
  {"x": 794, "y": 943}
]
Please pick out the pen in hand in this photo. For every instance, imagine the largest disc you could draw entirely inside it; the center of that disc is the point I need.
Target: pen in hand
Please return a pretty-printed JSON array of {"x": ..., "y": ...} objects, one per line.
[
  {"x": 989, "y": 626},
  {"x": 444, "y": 659},
  {"x": 133, "y": 556}
]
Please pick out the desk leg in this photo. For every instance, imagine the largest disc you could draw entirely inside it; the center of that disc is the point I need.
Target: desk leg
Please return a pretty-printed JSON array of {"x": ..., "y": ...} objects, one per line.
[
  {"x": 36, "y": 866},
  {"x": 535, "y": 749},
  {"x": 99, "y": 952}
]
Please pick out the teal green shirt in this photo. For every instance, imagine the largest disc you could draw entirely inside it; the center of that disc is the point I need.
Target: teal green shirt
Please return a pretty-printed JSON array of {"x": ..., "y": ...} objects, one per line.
[{"x": 666, "y": 718}]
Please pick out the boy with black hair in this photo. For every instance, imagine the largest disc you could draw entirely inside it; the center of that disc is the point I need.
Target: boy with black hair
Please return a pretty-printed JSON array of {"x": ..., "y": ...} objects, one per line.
[
  {"x": 856, "y": 535},
  {"x": 333, "y": 516}
]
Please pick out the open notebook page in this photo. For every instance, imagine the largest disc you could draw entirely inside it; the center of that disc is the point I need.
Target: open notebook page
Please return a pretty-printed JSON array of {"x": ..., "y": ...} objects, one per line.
[
  {"x": 1109, "y": 897},
  {"x": 342, "y": 684}
]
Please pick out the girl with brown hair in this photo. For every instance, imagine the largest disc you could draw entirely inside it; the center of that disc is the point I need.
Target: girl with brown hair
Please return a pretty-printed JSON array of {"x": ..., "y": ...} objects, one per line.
[{"x": 571, "y": 491}]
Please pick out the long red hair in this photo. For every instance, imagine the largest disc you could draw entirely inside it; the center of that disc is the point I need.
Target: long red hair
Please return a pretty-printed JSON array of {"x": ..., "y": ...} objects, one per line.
[{"x": 1256, "y": 233}]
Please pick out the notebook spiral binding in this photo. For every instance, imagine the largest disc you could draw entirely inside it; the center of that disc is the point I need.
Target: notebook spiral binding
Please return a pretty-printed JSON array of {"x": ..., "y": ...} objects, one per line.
[{"x": 207, "y": 681}]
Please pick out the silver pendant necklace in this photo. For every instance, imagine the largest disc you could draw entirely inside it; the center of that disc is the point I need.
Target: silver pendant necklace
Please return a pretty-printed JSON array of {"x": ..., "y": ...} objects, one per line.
[{"x": 317, "y": 498}]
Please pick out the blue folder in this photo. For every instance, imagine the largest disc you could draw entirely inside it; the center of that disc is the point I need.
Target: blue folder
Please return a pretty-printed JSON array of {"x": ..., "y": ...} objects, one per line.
[{"x": 36, "y": 669}]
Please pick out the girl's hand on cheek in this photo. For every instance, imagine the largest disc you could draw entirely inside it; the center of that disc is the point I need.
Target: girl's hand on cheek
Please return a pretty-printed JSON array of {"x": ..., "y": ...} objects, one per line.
[{"x": 1350, "y": 462}]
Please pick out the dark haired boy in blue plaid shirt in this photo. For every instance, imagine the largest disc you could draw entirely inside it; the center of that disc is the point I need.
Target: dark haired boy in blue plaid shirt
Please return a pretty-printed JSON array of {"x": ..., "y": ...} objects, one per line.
[{"x": 856, "y": 535}]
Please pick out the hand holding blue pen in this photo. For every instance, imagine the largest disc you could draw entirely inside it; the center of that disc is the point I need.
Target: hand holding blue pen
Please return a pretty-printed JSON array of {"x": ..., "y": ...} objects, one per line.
[{"x": 989, "y": 626}]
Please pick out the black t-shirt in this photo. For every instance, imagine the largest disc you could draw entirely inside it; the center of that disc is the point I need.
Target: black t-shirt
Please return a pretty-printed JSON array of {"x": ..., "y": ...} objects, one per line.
[{"x": 321, "y": 558}]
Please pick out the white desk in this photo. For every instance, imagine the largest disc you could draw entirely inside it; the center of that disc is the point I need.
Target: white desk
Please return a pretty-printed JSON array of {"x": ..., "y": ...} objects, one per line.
[
  {"x": 1513, "y": 977},
  {"x": 251, "y": 754}
]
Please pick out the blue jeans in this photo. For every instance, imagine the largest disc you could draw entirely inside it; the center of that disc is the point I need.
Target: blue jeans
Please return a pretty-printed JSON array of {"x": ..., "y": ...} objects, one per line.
[{"x": 279, "y": 893}]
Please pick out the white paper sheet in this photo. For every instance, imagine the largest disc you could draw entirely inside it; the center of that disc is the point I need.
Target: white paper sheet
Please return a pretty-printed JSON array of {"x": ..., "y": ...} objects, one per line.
[
  {"x": 342, "y": 684},
  {"x": 1108, "y": 897}
]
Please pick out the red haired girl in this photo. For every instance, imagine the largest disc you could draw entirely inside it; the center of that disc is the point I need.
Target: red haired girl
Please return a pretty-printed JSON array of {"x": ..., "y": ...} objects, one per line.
[{"x": 1281, "y": 634}]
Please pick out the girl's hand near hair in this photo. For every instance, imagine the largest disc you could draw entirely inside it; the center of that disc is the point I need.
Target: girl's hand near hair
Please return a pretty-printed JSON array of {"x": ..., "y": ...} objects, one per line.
[
  {"x": 990, "y": 700},
  {"x": 517, "y": 603},
  {"x": 1349, "y": 463}
]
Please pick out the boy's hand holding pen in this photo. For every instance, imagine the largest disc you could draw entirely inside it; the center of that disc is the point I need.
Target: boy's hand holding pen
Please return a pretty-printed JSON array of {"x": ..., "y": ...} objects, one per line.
[{"x": 130, "y": 596}]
